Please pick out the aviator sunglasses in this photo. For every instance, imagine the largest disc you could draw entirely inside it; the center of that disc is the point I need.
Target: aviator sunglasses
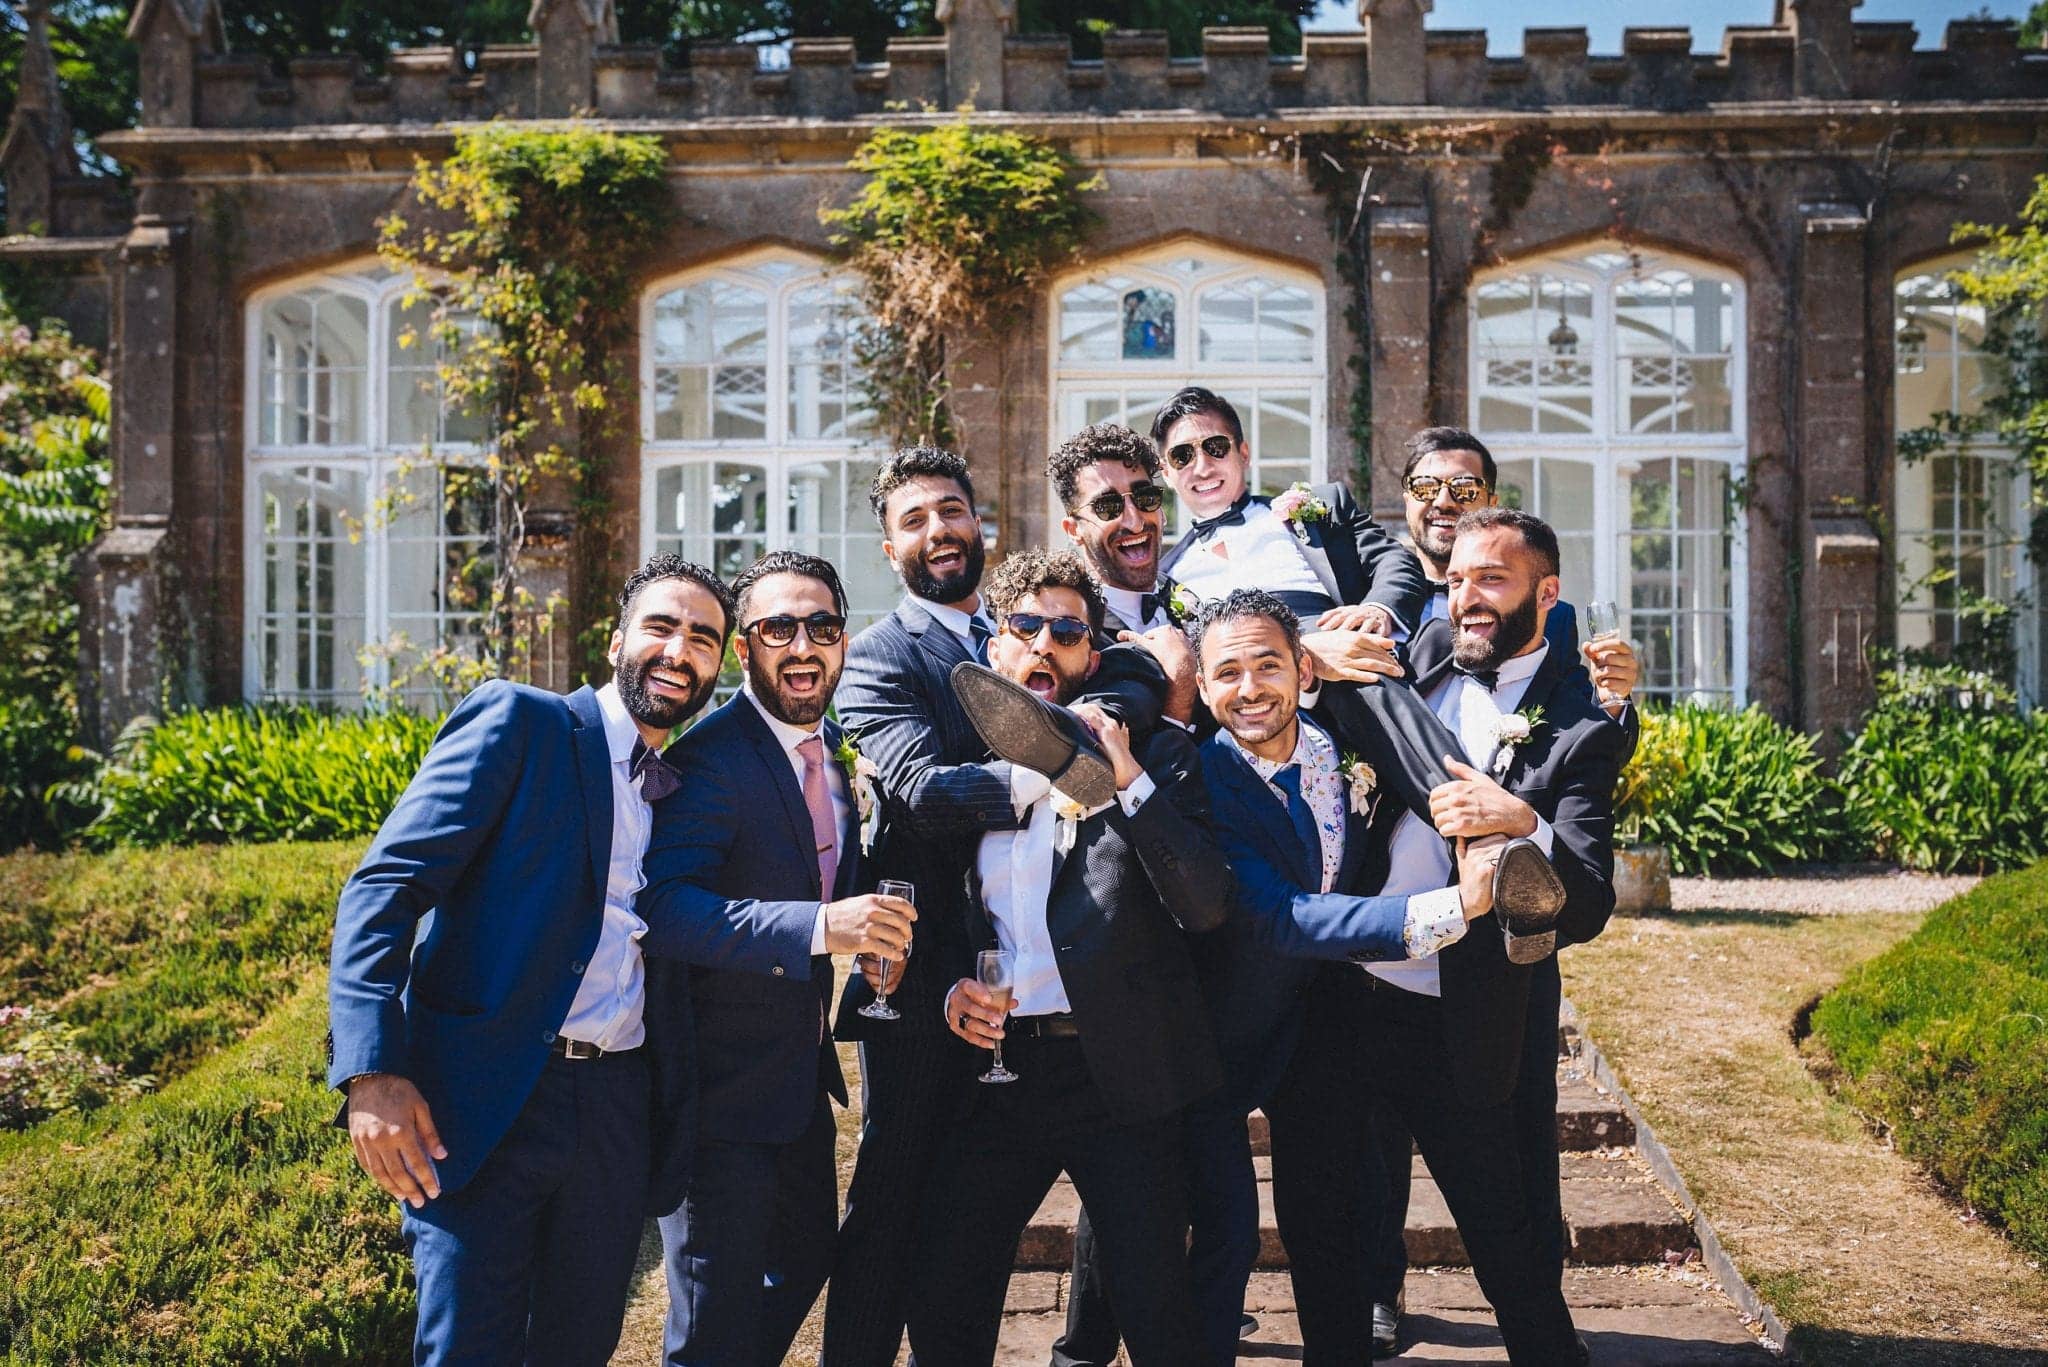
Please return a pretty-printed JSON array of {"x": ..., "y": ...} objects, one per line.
[
  {"x": 823, "y": 628},
  {"x": 1464, "y": 488},
  {"x": 1066, "y": 631},
  {"x": 1216, "y": 446},
  {"x": 1108, "y": 505}
]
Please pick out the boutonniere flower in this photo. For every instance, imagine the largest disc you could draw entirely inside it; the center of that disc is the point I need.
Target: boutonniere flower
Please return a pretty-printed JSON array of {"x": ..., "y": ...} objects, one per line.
[
  {"x": 1361, "y": 781},
  {"x": 1298, "y": 507},
  {"x": 1067, "y": 817},
  {"x": 1181, "y": 605},
  {"x": 861, "y": 776},
  {"x": 1511, "y": 732}
]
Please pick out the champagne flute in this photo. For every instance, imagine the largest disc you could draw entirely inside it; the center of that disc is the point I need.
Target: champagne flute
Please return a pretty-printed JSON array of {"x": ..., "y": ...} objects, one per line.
[
  {"x": 879, "y": 1009},
  {"x": 1603, "y": 621},
  {"x": 995, "y": 969}
]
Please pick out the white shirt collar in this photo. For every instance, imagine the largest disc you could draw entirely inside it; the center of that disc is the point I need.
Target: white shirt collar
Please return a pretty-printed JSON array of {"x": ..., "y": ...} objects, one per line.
[
  {"x": 1521, "y": 668},
  {"x": 620, "y": 732},
  {"x": 948, "y": 616},
  {"x": 789, "y": 736},
  {"x": 1128, "y": 604}
]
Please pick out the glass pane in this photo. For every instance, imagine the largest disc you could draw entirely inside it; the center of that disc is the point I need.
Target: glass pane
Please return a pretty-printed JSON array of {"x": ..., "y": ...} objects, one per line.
[
  {"x": 314, "y": 574},
  {"x": 829, "y": 516},
  {"x": 1091, "y": 321},
  {"x": 715, "y": 513},
  {"x": 1534, "y": 334},
  {"x": 711, "y": 320},
  {"x": 1229, "y": 326},
  {"x": 1280, "y": 439},
  {"x": 1147, "y": 323},
  {"x": 1287, "y": 326},
  {"x": 825, "y": 401},
  {"x": 315, "y": 352}
]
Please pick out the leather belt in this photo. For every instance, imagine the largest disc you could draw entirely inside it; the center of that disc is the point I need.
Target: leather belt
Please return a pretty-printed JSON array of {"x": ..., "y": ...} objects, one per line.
[
  {"x": 578, "y": 1049},
  {"x": 1059, "y": 1026}
]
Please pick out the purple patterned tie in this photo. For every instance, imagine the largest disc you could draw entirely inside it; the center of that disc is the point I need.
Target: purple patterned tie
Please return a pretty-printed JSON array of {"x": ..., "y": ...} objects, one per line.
[
  {"x": 824, "y": 822},
  {"x": 657, "y": 778}
]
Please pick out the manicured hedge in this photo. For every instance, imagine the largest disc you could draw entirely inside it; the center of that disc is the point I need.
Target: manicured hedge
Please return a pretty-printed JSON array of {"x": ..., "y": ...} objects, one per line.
[{"x": 1945, "y": 1038}]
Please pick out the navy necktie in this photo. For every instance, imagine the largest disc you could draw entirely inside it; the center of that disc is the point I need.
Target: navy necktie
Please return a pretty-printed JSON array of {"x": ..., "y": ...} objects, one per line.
[
  {"x": 1230, "y": 517},
  {"x": 1287, "y": 778},
  {"x": 979, "y": 630},
  {"x": 657, "y": 778}
]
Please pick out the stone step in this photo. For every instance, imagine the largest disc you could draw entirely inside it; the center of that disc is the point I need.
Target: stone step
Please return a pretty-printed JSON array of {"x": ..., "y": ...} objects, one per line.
[
  {"x": 1587, "y": 1118},
  {"x": 1614, "y": 1212}
]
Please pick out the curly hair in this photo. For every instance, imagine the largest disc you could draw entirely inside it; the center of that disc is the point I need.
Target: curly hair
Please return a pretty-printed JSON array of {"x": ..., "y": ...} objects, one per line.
[
  {"x": 669, "y": 565},
  {"x": 1239, "y": 604},
  {"x": 1098, "y": 441},
  {"x": 1026, "y": 572},
  {"x": 914, "y": 462}
]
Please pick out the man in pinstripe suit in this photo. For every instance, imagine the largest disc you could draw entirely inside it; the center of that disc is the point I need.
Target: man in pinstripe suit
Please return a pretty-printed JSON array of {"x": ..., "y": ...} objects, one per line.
[{"x": 940, "y": 792}]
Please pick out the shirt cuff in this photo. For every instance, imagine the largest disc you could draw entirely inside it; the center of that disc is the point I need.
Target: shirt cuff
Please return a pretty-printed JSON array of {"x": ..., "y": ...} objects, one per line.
[
  {"x": 1312, "y": 692},
  {"x": 1026, "y": 787},
  {"x": 1435, "y": 918},
  {"x": 1133, "y": 797},
  {"x": 818, "y": 932},
  {"x": 1543, "y": 836}
]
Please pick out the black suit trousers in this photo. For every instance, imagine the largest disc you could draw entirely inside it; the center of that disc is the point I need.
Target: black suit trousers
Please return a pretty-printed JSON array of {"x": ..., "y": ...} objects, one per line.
[{"x": 998, "y": 1165}]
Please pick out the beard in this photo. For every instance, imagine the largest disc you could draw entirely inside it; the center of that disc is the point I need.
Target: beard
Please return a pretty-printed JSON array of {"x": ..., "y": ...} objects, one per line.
[
  {"x": 1435, "y": 543},
  {"x": 1112, "y": 568},
  {"x": 1066, "y": 686},
  {"x": 650, "y": 710},
  {"x": 796, "y": 711},
  {"x": 918, "y": 578},
  {"x": 1272, "y": 724},
  {"x": 1512, "y": 632}
]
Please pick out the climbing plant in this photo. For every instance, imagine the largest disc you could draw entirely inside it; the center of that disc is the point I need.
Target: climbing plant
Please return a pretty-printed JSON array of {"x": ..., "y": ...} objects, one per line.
[
  {"x": 953, "y": 233},
  {"x": 523, "y": 245}
]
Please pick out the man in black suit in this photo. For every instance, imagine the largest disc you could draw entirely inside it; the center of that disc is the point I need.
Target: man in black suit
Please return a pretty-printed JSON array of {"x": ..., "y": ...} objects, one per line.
[
  {"x": 766, "y": 815},
  {"x": 1107, "y": 1032},
  {"x": 939, "y": 793},
  {"x": 1447, "y": 1041}
]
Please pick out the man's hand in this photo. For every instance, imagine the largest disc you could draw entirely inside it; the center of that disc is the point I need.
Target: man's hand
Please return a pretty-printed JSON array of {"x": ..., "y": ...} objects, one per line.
[
  {"x": 1169, "y": 646},
  {"x": 1615, "y": 669},
  {"x": 393, "y": 1135},
  {"x": 972, "y": 1015},
  {"x": 1476, "y": 860},
  {"x": 1115, "y": 739},
  {"x": 871, "y": 968},
  {"x": 1472, "y": 804},
  {"x": 1370, "y": 618},
  {"x": 1356, "y": 656},
  {"x": 869, "y": 924}
]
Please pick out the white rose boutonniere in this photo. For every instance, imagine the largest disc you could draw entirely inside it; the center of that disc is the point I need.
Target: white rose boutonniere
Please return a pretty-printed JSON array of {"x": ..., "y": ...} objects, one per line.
[
  {"x": 1510, "y": 733},
  {"x": 860, "y": 778},
  {"x": 1298, "y": 507},
  {"x": 1182, "y": 606},
  {"x": 1361, "y": 782},
  {"x": 1067, "y": 817}
]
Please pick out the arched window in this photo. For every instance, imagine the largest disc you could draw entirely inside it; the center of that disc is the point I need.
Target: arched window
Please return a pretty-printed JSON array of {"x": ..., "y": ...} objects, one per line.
[
  {"x": 1608, "y": 385},
  {"x": 1958, "y": 510},
  {"x": 1133, "y": 330},
  {"x": 755, "y": 434},
  {"x": 353, "y": 538}
]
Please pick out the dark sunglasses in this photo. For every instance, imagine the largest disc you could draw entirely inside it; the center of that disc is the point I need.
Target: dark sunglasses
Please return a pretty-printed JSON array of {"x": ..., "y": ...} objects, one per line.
[
  {"x": 823, "y": 628},
  {"x": 1108, "y": 506},
  {"x": 1464, "y": 488},
  {"x": 1066, "y": 631},
  {"x": 1215, "y": 446}
]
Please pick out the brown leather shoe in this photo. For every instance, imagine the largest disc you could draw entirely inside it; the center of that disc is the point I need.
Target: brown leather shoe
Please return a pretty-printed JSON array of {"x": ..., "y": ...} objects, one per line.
[
  {"x": 1030, "y": 732},
  {"x": 1527, "y": 897}
]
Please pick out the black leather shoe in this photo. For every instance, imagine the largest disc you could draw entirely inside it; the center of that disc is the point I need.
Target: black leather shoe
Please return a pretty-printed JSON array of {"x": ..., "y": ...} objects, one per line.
[
  {"x": 1527, "y": 897},
  {"x": 1032, "y": 733},
  {"x": 1386, "y": 1326}
]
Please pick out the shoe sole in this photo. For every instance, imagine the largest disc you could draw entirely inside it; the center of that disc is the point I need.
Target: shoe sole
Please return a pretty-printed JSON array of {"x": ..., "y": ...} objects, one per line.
[
  {"x": 1527, "y": 897},
  {"x": 1011, "y": 721}
]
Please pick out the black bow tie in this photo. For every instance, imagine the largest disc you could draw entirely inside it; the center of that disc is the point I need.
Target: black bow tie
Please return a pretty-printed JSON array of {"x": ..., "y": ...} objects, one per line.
[
  {"x": 1488, "y": 679},
  {"x": 657, "y": 778},
  {"x": 1160, "y": 601},
  {"x": 1233, "y": 516}
]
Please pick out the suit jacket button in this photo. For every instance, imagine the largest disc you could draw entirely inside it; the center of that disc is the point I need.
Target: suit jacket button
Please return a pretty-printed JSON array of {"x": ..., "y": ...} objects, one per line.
[
  {"x": 578, "y": 966},
  {"x": 777, "y": 970},
  {"x": 547, "y": 1037}
]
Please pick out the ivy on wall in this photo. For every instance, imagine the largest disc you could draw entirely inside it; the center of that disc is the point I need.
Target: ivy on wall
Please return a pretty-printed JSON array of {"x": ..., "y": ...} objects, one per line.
[{"x": 524, "y": 248}]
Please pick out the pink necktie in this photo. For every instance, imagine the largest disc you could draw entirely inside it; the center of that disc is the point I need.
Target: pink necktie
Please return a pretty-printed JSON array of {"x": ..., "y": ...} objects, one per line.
[{"x": 824, "y": 822}]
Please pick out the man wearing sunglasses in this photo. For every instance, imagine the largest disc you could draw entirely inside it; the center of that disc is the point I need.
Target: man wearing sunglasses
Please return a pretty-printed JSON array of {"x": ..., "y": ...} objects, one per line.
[{"x": 765, "y": 818}]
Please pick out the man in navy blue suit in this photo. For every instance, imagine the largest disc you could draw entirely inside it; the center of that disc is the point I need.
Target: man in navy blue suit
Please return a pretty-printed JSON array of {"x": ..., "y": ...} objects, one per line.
[
  {"x": 497, "y": 1084},
  {"x": 766, "y": 814}
]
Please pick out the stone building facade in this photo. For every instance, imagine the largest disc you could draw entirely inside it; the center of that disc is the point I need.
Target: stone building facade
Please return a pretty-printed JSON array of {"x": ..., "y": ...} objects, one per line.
[{"x": 1688, "y": 298}]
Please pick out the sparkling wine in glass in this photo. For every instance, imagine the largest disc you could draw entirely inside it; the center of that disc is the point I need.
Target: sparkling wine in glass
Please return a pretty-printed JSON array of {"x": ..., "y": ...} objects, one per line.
[
  {"x": 1603, "y": 621},
  {"x": 892, "y": 974},
  {"x": 996, "y": 970}
]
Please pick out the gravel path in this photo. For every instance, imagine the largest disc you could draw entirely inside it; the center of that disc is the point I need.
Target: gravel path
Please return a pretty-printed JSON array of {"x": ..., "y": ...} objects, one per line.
[{"x": 1822, "y": 891}]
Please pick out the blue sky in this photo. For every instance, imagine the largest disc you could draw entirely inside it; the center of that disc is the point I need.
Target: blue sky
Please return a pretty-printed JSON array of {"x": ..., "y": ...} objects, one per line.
[{"x": 1604, "y": 20}]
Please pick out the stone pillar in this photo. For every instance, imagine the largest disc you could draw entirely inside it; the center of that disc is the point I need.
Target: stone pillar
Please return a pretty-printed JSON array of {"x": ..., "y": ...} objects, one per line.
[
  {"x": 129, "y": 564},
  {"x": 1844, "y": 563},
  {"x": 1398, "y": 317},
  {"x": 1395, "y": 67},
  {"x": 171, "y": 36},
  {"x": 1824, "y": 35},
  {"x": 37, "y": 151},
  {"x": 975, "y": 30},
  {"x": 569, "y": 33}
]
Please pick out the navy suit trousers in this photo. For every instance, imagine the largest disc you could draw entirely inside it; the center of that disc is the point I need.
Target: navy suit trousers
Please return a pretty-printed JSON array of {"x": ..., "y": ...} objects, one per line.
[{"x": 531, "y": 1260}]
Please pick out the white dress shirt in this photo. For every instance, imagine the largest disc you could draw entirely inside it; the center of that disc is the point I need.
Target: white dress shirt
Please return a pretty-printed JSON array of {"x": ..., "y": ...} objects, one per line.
[
  {"x": 1016, "y": 869},
  {"x": 1417, "y": 855},
  {"x": 609, "y": 1001},
  {"x": 1259, "y": 551},
  {"x": 835, "y": 782},
  {"x": 1129, "y": 605}
]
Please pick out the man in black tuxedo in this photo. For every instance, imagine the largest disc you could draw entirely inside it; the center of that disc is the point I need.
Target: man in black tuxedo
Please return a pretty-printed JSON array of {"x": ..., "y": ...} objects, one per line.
[
  {"x": 1107, "y": 1032},
  {"x": 939, "y": 793}
]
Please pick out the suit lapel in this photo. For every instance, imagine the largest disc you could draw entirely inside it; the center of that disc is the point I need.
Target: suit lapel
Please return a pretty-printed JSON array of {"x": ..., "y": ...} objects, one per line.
[
  {"x": 934, "y": 637},
  {"x": 775, "y": 762},
  {"x": 1315, "y": 550},
  {"x": 594, "y": 776},
  {"x": 850, "y": 854},
  {"x": 1283, "y": 845},
  {"x": 1542, "y": 684}
]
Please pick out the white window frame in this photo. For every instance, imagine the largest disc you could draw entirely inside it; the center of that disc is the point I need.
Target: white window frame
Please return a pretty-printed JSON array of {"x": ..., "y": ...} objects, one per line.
[
  {"x": 1616, "y": 457},
  {"x": 371, "y": 457},
  {"x": 1150, "y": 267}
]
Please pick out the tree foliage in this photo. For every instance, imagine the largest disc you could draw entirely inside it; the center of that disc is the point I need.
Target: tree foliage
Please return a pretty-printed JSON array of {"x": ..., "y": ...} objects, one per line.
[
  {"x": 1182, "y": 21},
  {"x": 96, "y": 67}
]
